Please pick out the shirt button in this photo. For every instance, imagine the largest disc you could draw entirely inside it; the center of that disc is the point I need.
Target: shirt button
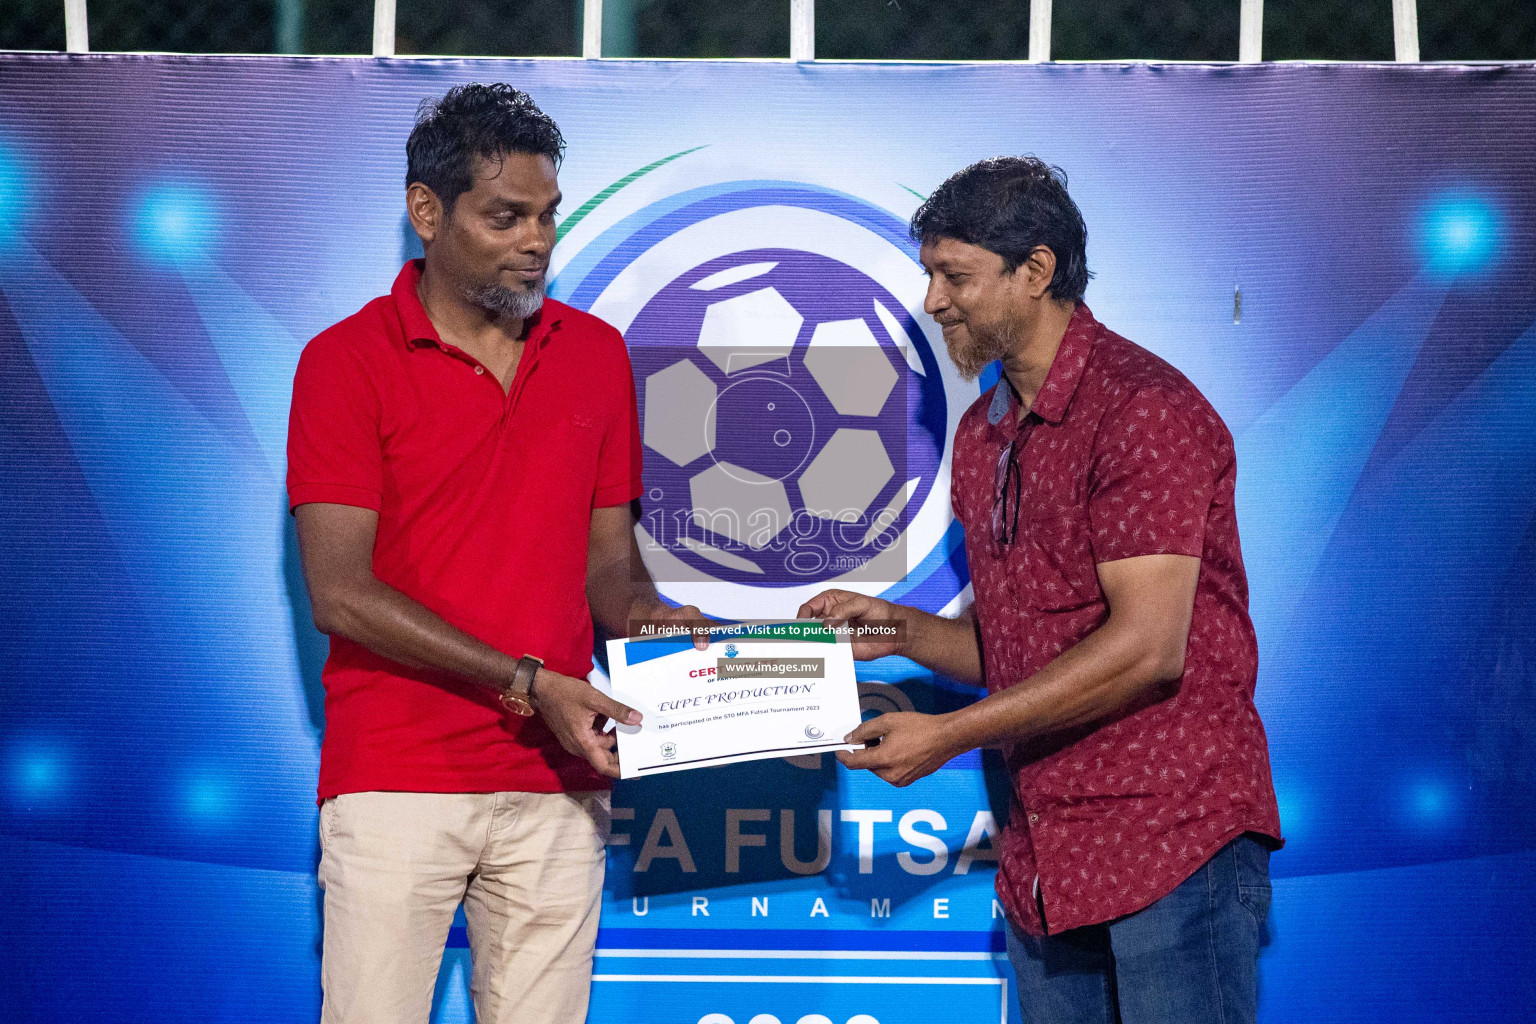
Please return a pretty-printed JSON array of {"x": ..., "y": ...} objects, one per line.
[
  {"x": 1034, "y": 818},
  {"x": 479, "y": 370}
]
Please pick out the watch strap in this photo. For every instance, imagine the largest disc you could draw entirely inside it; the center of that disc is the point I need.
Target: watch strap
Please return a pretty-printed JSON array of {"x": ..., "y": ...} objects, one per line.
[
  {"x": 527, "y": 670},
  {"x": 518, "y": 694}
]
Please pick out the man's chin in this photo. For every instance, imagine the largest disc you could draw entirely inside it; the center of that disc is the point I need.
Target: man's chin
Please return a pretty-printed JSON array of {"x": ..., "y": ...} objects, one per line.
[
  {"x": 514, "y": 303},
  {"x": 978, "y": 350},
  {"x": 969, "y": 372},
  {"x": 968, "y": 363}
]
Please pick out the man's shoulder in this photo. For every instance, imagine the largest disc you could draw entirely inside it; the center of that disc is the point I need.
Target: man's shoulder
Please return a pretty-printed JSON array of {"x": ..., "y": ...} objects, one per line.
[
  {"x": 1122, "y": 369},
  {"x": 578, "y": 323},
  {"x": 1135, "y": 380},
  {"x": 591, "y": 346},
  {"x": 364, "y": 333},
  {"x": 1120, "y": 362}
]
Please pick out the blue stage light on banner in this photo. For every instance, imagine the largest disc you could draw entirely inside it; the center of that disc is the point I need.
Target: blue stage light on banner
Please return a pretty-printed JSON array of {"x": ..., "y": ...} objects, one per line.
[
  {"x": 174, "y": 222},
  {"x": 1295, "y": 810},
  {"x": 14, "y": 198},
  {"x": 1460, "y": 232},
  {"x": 206, "y": 800},
  {"x": 1432, "y": 803},
  {"x": 37, "y": 773}
]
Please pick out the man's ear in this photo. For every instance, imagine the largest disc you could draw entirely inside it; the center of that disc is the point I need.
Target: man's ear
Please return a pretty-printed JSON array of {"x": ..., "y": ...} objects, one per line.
[
  {"x": 1038, "y": 269},
  {"x": 425, "y": 210}
]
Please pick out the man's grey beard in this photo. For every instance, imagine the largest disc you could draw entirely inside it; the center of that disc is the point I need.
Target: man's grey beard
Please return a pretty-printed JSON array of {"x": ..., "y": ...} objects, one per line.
[
  {"x": 511, "y": 303},
  {"x": 985, "y": 349}
]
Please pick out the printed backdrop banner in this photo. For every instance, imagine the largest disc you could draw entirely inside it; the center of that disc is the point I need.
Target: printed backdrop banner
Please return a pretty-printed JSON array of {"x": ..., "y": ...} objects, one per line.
[{"x": 1341, "y": 257}]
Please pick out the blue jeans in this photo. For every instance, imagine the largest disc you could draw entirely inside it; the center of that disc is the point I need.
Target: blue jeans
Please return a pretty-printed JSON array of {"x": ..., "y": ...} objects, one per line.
[{"x": 1189, "y": 958}]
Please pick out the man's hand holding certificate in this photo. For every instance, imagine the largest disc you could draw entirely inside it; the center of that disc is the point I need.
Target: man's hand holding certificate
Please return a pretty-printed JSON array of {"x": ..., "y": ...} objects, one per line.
[{"x": 760, "y": 690}]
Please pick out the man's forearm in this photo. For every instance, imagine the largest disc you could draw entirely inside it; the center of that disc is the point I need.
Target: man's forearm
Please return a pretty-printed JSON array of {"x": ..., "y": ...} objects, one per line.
[
  {"x": 387, "y": 622},
  {"x": 1107, "y": 671},
  {"x": 949, "y": 647},
  {"x": 620, "y": 590}
]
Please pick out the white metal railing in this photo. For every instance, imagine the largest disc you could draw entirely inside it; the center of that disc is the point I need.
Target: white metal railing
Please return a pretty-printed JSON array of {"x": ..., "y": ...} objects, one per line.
[
  {"x": 76, "y": 39},
  {"x": 1039, "y": 30},
  {"x": 1405, "y": 29},
  {"x": 383, "y": 28},
  {"x": 592, "y": 29},
  {"x": 802, "y": 29},
  {"x": 1250, "y": 32}
]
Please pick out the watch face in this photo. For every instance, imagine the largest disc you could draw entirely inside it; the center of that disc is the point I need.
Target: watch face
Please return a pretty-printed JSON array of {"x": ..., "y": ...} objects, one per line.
[{"x": 517, "y": 705}]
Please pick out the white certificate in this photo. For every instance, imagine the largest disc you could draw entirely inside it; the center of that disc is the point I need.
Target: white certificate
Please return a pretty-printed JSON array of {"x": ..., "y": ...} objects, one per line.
[{"x": 762, "y": 689}]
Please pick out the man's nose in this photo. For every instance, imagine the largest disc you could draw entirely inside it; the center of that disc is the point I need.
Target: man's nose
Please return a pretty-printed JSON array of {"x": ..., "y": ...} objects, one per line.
[
  {"x": 536, "y": 241},
  {"x": 934, "y": 300}
]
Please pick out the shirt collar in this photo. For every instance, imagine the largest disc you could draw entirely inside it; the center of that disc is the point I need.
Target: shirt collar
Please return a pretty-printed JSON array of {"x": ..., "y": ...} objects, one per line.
[
  {"x": 418, "y": 327},
  {"x": 1060, "y": 380}
]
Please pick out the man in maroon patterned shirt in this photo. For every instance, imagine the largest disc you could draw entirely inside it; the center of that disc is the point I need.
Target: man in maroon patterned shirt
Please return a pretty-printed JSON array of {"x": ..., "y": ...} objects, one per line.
[{"x": 1110, "y": 626}]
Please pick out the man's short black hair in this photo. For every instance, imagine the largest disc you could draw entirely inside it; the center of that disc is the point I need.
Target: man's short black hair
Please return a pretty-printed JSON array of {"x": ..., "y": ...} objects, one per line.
[
  {"x": 1011, "y": 205},
  {"x": 475, "y": 121}
]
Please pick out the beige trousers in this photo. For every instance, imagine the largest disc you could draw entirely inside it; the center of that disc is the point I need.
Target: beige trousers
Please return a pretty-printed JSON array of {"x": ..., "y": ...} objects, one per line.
[{"x": 394, "y": 866}]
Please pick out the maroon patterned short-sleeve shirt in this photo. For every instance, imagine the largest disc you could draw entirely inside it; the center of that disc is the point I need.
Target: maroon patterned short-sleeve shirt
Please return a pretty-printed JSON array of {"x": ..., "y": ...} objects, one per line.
[{"x": 1121, "y": 456}]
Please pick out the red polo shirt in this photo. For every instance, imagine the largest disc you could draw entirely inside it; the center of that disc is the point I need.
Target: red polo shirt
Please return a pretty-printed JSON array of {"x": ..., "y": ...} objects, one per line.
[
  {"x": 484, "y": 499},
  {"x": 1121, "y": 456}
]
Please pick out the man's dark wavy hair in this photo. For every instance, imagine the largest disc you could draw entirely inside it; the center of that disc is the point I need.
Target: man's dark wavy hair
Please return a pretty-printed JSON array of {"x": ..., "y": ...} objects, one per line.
[
  {"x": 475, "y": 121},
  {"x": 1010, "y": 205}
]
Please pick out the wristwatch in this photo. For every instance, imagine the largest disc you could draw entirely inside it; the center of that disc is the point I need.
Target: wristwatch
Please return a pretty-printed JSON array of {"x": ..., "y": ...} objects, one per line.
[{"x": 518, "y": 696}]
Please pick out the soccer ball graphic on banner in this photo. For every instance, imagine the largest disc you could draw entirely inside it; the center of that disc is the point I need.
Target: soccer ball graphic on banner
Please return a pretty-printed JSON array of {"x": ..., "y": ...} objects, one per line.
[
  {"x": 795, "y": 418},
  {"x": 774, "y": 396}
]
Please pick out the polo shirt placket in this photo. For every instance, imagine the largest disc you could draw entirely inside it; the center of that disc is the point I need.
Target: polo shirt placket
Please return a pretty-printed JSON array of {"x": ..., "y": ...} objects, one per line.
[{"x": 506, "y": 398}]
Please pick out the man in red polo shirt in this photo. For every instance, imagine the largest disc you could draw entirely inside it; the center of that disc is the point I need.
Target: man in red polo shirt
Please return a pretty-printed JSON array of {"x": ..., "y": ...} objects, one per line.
[
  {"x": 1110, "y": 626},
  {"x": 462, "y": 455}
]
